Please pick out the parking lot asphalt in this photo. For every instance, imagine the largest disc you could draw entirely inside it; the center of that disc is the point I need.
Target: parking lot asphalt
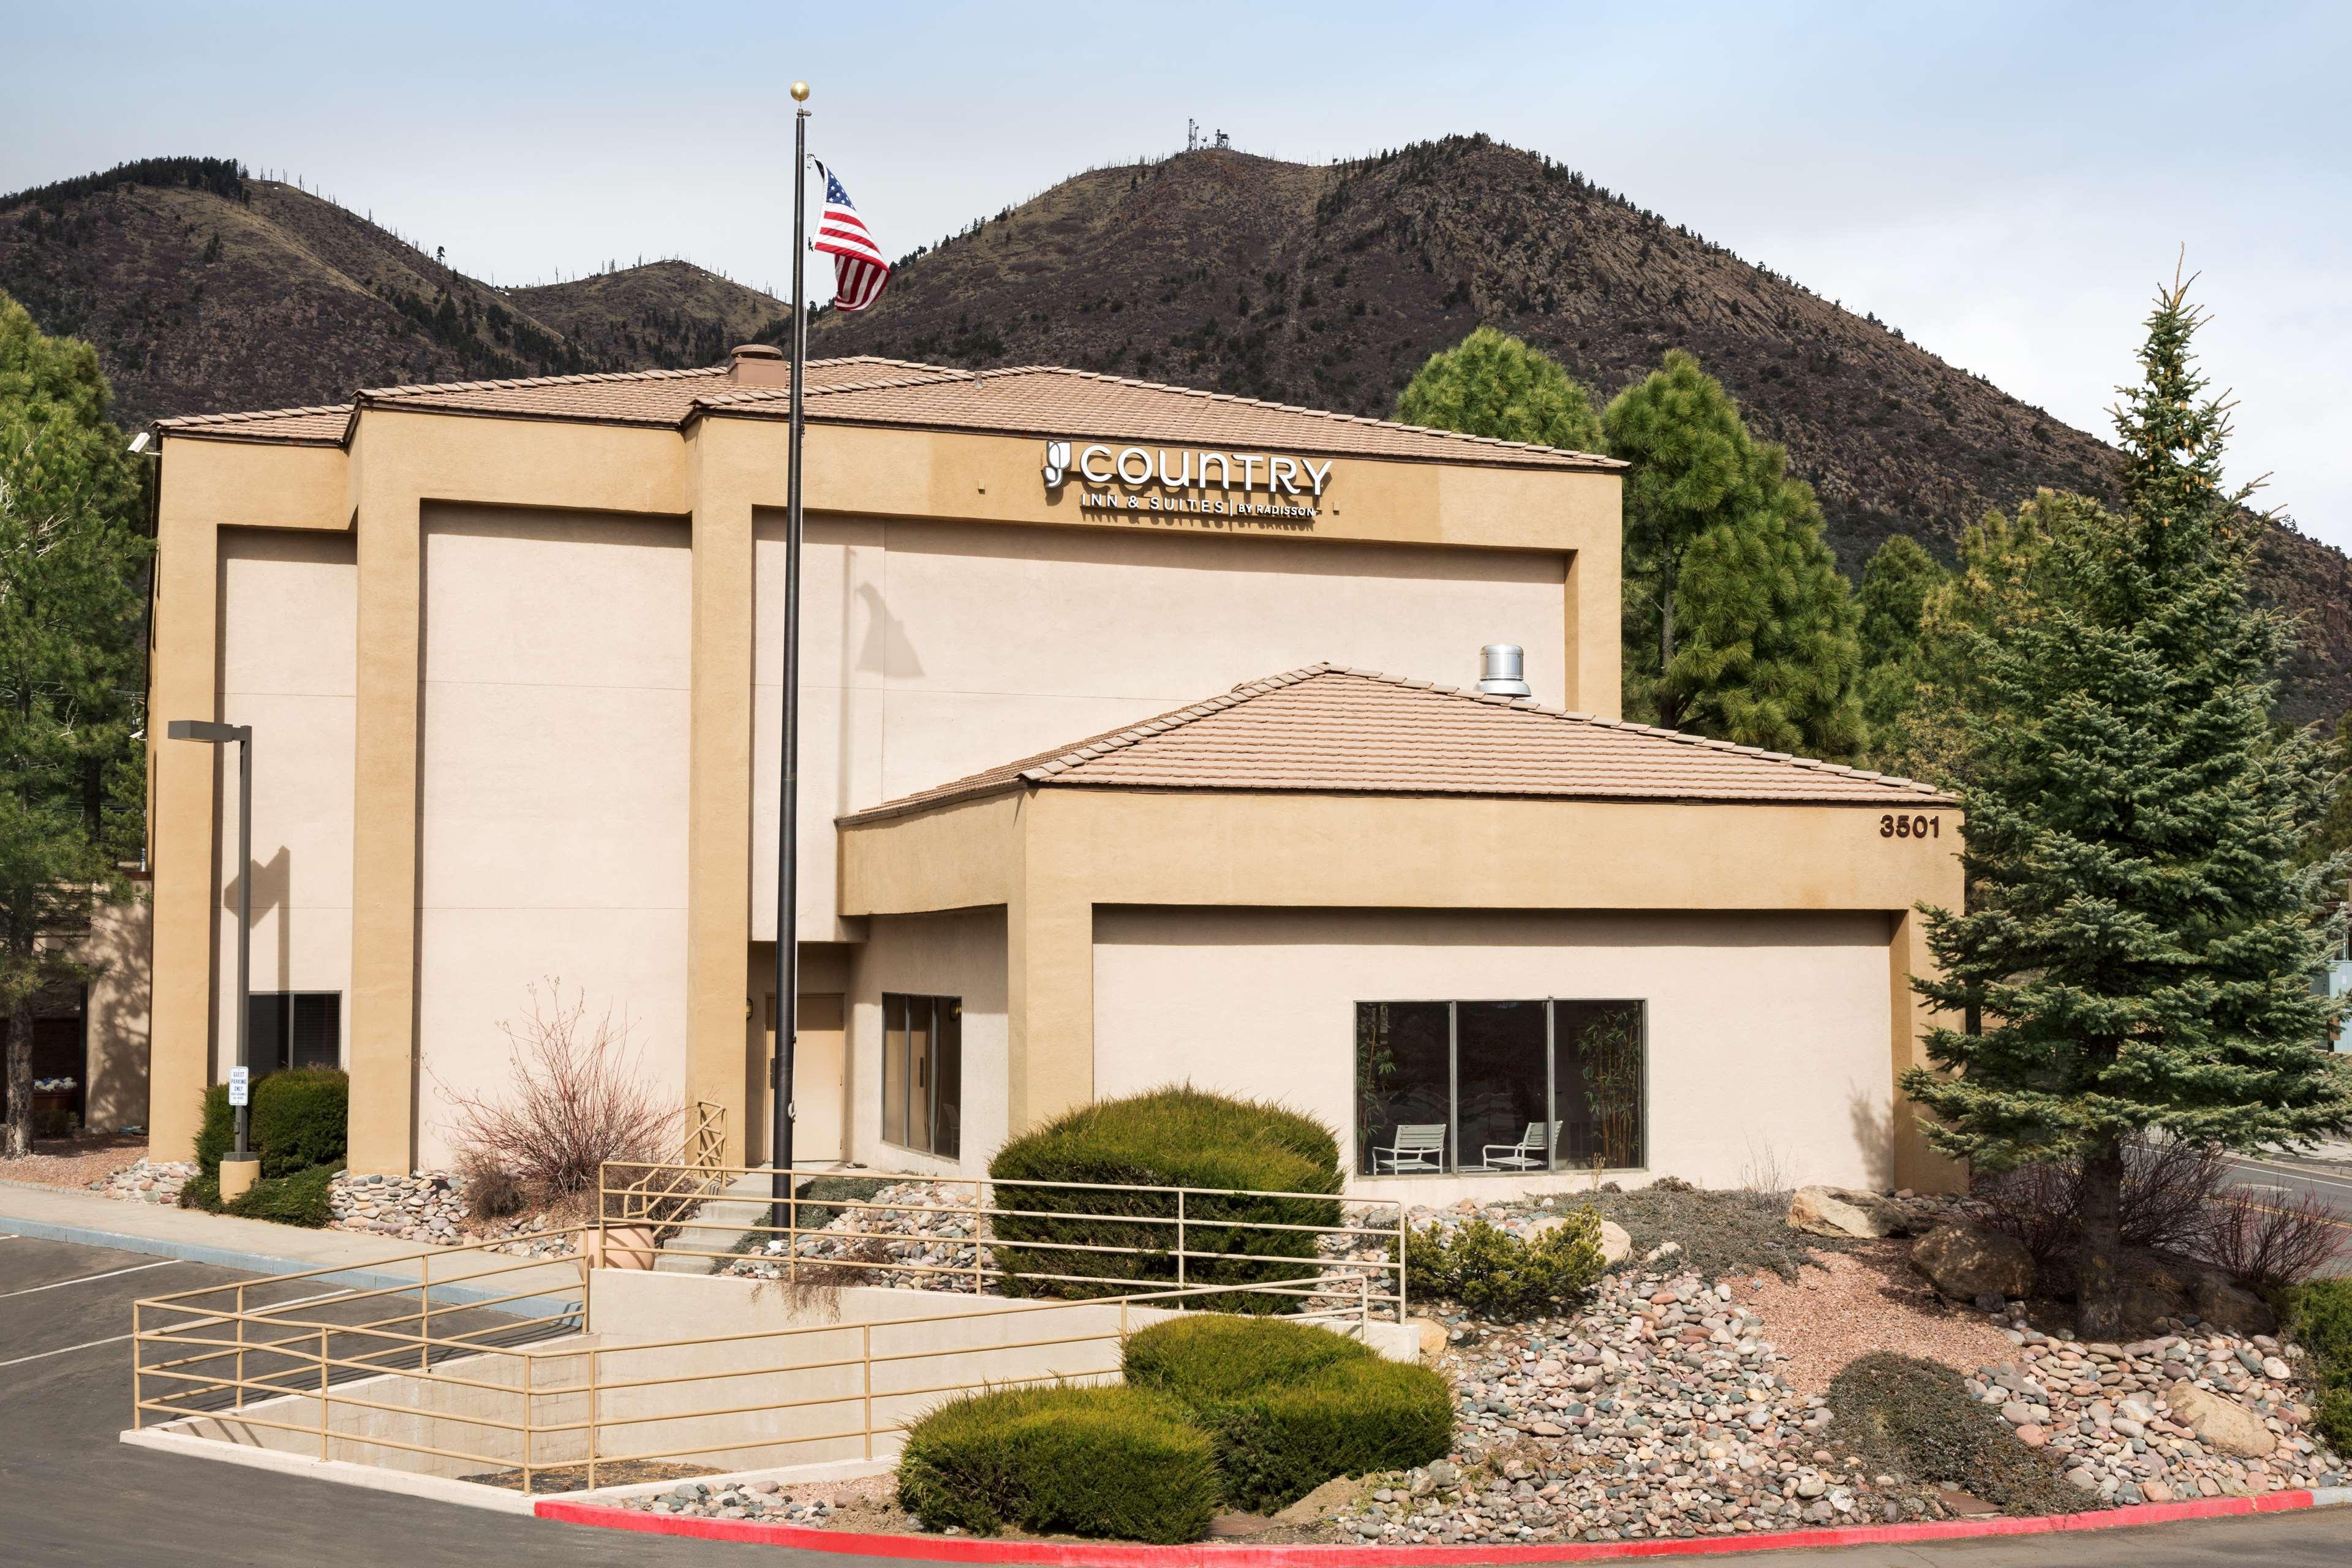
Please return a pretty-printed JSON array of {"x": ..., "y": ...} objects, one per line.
[{"x": 72, "y": 1494}]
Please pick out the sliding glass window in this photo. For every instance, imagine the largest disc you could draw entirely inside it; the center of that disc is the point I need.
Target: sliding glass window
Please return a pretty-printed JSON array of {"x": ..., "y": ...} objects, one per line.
[
  {"x": 922, "y": 1073},
  {"x": 1495, "y": 1088}
]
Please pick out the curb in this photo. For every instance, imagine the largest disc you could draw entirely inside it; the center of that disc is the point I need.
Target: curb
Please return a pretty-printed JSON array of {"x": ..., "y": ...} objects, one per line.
[
  {"x": 1209, "y": 1554},
  {"x": 361, "y": 1276}
]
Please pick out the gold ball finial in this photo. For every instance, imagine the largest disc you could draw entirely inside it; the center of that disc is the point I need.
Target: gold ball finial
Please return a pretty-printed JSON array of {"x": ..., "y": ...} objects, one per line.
[{"x": 800, "y": 92}]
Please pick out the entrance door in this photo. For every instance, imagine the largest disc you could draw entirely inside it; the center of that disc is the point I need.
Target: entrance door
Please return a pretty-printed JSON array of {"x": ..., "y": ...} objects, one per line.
[{"x": 818, "y": 1080}]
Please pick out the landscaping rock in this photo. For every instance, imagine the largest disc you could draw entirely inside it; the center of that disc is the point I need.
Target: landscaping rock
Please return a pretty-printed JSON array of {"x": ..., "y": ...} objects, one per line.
[
  {"x": 2220, "y": 1421},
  {"x": 1835, "y": 1211},
  {"x": 2228, "y": 1307},
  {"x": 1965, "y": 1261},
  {"x": 1329, "y": 1497},
  {"x": 1616, "y": 1246}
]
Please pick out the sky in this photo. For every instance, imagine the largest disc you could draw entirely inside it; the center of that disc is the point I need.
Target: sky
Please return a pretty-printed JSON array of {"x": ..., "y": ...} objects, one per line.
[{"x": 2009, "y": 183}]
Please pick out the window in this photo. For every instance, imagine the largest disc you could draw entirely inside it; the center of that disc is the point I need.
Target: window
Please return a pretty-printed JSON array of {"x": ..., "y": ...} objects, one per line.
[
  {"x": 294, "y": 1029},
  {"x": 922, "y": 1073},
  {"x": 1479, "y": 1088}
]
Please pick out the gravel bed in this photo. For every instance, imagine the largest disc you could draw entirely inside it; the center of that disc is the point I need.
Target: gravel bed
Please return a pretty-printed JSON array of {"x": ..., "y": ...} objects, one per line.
[
  {"x": 1868, "y": 1298},
  {"x": 89, "y": 1160},
  {"x": 430, "y": 1206}
]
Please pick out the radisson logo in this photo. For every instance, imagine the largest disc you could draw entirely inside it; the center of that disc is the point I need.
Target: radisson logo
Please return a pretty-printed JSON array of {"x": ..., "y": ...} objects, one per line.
[{"x": 1191, "y": 481}]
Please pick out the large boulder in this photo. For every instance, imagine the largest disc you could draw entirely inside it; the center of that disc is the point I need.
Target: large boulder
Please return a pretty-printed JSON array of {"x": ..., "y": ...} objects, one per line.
[
  {"x": 1835, "y": 1211},
  {"x": 2228, "y": 1306},
  {"x": 2220, "y": 1421},
  {"x": 1616, "y": 1246},
  {"x": 1966, "y": 1261}
]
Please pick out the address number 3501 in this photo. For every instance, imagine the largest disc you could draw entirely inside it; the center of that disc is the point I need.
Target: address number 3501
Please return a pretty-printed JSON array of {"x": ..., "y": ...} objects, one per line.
[{"x": 1892, "y": 826}]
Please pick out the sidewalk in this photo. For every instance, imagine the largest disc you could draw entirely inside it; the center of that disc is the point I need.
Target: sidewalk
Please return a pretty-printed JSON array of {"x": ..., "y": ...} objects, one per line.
[{"x": 368, "y": 1262}]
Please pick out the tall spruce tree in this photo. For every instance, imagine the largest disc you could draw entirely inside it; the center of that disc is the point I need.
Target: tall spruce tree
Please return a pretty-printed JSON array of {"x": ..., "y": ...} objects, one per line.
[
  {"x": 1897, "y": 583},
  {"x": 72, "y": 552},
  {"x": 1493, "y": 384},
  {"x": 2140, "y": 937},
  {"x": 1736, "y": 622}
]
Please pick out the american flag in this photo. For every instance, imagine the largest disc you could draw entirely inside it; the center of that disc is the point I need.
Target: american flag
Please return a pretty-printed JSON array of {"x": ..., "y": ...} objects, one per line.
[{"x": 859, "y": 270}]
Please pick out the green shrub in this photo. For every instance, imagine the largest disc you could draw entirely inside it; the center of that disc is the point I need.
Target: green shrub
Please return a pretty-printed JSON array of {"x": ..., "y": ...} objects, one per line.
[
  {"x": 304, "y": 1198},
  {"x": 1913, "y": 1418},
  {"x": 1290, "y": 1405},
  {"x": 1499, "y": 1276},
  {"x": 2318, "y": 1316},
  {"x": 299, "y": 1118},
  {"x": 1168, "y": 1138},
  {"x": 1117, "y": 1463}
]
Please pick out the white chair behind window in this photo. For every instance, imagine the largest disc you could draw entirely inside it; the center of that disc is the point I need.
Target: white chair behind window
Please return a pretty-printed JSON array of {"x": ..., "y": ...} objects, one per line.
[{"x": 1417, "y": 1146}]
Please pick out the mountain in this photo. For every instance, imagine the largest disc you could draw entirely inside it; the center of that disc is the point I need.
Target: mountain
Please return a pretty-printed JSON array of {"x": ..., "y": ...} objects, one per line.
[
  {"x": 208, "y": 289},
  {"x": 204, "y": 290},
  {"x": 1330, "y": 284}
]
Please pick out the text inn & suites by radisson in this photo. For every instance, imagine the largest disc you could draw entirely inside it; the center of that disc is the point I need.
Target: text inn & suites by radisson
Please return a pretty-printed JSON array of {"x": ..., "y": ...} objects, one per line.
[{"x": 1141, "y": 741}]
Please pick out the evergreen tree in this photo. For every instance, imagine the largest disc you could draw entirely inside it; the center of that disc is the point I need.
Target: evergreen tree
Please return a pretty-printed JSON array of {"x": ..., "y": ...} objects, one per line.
[
  {"x": 1736, "y": 622},
  {"x": 1896, "y": 584},
  {"x": 2333, "y": 836},
  {"x": 72, "y": 554},
  {"x": 1492, "y": 384},
  {"x": 2140, "y": 939}
]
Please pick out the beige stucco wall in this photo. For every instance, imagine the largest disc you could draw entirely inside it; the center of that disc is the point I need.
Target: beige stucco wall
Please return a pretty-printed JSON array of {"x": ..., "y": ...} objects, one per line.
[
  {"x": 954, "y": 955},
  {"x": 552, "y": 840},
  {"x": 289, "y": 639},
  {"x": 713, "y": 477},
  {"x": 930, "y": 651},
  {"x": 121, "y": 948},
  {"x": 1767, "y": 1033}
]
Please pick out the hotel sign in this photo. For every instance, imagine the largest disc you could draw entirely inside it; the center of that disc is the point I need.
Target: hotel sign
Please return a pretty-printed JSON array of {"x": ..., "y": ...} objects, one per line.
[{"x": 1262, "y": 487}]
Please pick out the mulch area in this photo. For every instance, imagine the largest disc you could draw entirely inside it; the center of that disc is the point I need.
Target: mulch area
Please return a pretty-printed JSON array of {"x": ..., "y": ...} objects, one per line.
[
  {"x": 75, "y": 1161},
  {"x": 1869, "y": 1298},
  {"x": 574, "y": 1477}
]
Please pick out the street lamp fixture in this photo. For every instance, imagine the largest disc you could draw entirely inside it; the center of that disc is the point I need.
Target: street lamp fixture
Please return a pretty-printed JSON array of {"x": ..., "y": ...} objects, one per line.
[{"x": 234, "y": 1182}]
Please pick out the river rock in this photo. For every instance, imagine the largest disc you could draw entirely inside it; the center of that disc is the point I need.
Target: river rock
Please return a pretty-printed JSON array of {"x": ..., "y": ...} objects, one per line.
[
  {"x": 1835, "y": 1211},
  {"x": 1965, "y": 1261},
  {"x": 2220, "y": 1421}
]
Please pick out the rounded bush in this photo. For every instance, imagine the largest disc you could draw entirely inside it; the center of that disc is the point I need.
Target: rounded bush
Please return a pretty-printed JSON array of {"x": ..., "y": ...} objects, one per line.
[
  {"x": 1111, "y": 1462},
  {"x": 1291, "y": 1405},
  {"x": 299, "y": 1119},
  {"x": 1174, "y": 1137}
]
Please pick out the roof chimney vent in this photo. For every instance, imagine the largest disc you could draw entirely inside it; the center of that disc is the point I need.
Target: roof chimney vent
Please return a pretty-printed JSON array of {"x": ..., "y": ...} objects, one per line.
[
  {"x": 760, "y": 364},
  {"x": 1502, "y": 670}
]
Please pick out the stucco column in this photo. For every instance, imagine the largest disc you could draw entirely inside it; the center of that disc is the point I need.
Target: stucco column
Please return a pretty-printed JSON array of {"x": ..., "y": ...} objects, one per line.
[
  {"x": 1049, "y": 927},
  {"x": 390, "y": 548},
  {"x": 1595, "y": 656},
  {"x": 718, "y": 811},
  {"x": 1917, "y": 1164},
  {"x": 181, "y": 816}
]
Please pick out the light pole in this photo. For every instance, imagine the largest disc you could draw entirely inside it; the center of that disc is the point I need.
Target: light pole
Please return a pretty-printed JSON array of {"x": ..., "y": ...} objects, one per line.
[{"x": 222, "y": 734}]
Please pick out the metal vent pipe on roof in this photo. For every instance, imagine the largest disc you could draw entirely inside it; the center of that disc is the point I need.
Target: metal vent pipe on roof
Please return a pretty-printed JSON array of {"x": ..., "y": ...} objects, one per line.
[{"x": 1502, "y": 670}]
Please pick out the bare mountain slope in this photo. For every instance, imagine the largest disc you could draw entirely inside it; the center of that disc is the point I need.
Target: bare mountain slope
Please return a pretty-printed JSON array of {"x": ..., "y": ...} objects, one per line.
[
  {"x": 204, "y": 290},
  {"x": 1330, "y": 285}
]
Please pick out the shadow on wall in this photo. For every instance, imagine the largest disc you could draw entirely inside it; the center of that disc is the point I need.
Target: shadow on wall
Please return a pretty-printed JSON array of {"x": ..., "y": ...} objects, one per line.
[
  {"x": 1874, "y": 1135},
  {"x": 273, "y": 885},
  {"x": 120, "y": 945}
]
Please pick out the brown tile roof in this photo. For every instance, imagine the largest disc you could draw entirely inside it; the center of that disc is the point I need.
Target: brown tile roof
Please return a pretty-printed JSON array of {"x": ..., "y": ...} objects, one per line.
[
  {"x": 1328, "y": 729},
  {"x": 1052, "y": 400},
  {"x": 1034, "y": 400},
  {"x": 320, "y": 427}
]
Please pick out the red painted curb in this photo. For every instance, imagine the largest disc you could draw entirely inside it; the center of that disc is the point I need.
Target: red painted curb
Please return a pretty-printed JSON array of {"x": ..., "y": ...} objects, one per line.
[{"x": 1240, "y": 1554}]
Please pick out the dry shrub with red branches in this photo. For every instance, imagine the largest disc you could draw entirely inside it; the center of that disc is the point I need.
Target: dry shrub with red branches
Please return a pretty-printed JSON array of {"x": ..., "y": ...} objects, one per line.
[
  {"x": 2168, "y": 1188},
  {"x": 574, "y": 1099},
  {"x": 2270, "y": 1239}
]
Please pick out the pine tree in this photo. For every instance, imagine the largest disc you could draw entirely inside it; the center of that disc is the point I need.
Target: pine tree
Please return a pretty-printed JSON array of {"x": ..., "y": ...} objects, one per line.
[
  {"x": 71, "y": 551},
  {"x": 2333, "y": 835},
  {"x": 1492, "y": 384},
  {"x": 1897, "y": 583},
  {"x": 1736, "y": 622},
  {"x": 2139, "y": 937}
]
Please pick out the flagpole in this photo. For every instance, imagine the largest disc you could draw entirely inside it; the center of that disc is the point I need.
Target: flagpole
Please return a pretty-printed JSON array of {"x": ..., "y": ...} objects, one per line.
[{"x": 788, "y": 946}]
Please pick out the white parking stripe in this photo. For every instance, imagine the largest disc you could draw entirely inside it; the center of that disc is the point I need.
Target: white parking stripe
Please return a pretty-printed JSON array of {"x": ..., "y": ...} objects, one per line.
[
  {"x": 86, "y": 1344},
  {"x": 87, "y": 1279}
]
